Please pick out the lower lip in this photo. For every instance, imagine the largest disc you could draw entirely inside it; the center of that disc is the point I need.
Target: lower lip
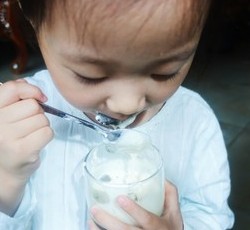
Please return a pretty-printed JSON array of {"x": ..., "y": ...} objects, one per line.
[{"x": 124, "y": 123}]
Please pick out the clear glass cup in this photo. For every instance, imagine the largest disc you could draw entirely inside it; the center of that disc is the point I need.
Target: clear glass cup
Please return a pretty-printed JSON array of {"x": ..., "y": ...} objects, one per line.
[{"x": 130, "y": 166}]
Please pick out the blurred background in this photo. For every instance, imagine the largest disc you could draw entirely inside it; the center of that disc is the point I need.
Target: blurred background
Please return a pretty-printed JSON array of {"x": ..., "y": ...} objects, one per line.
[{"x": 220, "y": 73}]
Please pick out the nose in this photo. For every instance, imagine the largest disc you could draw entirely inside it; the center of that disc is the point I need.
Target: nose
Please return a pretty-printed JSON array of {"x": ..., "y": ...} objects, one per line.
[{"x": 126, "y": 101}]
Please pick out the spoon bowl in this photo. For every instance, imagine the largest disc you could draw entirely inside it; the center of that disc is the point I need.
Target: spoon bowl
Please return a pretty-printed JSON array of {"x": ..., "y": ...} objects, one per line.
[{"x": 108, "y": 121}]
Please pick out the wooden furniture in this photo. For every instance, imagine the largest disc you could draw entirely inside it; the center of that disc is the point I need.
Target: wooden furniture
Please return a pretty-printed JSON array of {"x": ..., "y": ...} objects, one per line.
[{"x": 11, "y": 20}]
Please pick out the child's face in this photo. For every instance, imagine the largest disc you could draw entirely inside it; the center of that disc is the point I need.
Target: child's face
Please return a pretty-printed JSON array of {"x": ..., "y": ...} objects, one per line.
[{"x": 120, "y": 64}]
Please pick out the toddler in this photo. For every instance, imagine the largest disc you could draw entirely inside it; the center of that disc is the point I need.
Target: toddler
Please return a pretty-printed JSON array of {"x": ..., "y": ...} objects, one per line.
[{"x": 119, "y": 58}]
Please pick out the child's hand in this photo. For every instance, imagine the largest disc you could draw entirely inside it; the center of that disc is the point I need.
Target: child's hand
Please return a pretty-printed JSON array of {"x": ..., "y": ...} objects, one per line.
[
  {"x": 24, "y": 131},
  {"x": 170, "y": 219}
]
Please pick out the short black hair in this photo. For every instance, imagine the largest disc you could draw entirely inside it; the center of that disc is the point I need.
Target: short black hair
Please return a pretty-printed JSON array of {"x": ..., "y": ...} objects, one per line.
[{"x": 39, "y": 12}]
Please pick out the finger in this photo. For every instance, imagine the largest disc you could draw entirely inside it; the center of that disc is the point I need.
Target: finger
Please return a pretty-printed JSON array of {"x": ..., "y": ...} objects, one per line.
[
  {"x": 143, "y": 218},
  {"x": 93, "y": 226},
  {"x": 30, "y": 147},
  {"x": 19, "y": 130},
  {"x": 30, "y": 125},
  {"x": 14, "y": 91},
  {"x": 106, "y": 220},
  {"x": 171, "y": 197},
  {"x": 38, "y": 139},
  {"x": 21, "y": 80},
  {"x": 26, "y": 150},
  {"x": 20, "y": 110},
  {"x": 172, "y": 211}
]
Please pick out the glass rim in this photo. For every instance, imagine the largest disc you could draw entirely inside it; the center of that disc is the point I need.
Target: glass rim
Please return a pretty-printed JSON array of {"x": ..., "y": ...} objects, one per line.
[
  {"x": 108, "y": 184},
  {"x": 122, "y": 185}
]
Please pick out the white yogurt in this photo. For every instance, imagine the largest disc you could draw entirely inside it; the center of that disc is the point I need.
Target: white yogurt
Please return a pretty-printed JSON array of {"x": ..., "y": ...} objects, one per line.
[{"x": 132, "y": 167}]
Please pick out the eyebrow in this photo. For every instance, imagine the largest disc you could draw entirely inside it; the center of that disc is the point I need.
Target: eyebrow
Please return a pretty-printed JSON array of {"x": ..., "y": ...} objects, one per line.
[
  {"x": 91, "y": 60},
  {"x": 176, "y": 57},
  {"x": 83, "y": 58}
]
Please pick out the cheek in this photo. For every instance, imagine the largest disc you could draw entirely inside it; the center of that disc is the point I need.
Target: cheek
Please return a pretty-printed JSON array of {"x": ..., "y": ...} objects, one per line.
[
  {"x": 81, "y": 97},
  {"x": 163, "y": 93},
  {"x": 85, "y": 98},
  {"x": 71, "y": 89},
  {"x": 164, "y": 90}
]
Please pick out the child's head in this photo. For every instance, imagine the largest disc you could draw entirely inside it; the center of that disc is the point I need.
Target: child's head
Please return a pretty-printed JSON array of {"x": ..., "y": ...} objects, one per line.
[{"x": 114, "y": 56}]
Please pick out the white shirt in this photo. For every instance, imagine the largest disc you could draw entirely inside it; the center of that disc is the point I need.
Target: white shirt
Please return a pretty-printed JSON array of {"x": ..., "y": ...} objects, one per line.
[{"x": 185, "y": 131}]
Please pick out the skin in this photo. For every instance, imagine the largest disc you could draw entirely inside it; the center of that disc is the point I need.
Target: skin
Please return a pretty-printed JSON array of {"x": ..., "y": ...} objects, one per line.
[
  {"x": 24, "y": 132},
  {"x": 170, "y": 219},
  {"x": 120, "y": 72},
  {"x": 140, "y": 65}
]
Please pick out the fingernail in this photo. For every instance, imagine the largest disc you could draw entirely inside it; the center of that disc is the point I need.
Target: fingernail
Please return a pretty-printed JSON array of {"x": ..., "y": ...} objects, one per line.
[
  {"x": 44, "y": 98},
  {"x": 20, "y": 80},
  {"x": 93, "y": 210},
  {"x": 123, "y": 201}
]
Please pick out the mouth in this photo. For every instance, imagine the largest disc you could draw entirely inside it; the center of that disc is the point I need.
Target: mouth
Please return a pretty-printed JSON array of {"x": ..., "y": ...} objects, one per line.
[{"x": 114, "y": 123}]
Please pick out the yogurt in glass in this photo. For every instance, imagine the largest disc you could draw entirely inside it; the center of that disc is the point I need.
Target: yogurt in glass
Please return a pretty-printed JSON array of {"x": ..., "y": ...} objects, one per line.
[{"x": 130, "y": 166}]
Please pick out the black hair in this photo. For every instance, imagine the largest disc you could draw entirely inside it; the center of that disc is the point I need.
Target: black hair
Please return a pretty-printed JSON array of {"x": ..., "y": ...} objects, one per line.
[{"x": 40, "y": 12}]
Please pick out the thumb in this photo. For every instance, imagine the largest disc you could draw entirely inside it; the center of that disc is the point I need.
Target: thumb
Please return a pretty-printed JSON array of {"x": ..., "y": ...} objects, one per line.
[{"x": 171, "y": 203}]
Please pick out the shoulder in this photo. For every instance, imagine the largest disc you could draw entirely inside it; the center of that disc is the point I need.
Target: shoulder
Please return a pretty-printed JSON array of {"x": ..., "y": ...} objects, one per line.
[
  {"x": 185, "y": 109},
  {"x": 189, "y": 104},
  {"x": 196, "y": 115},
  {"x": 188, "y": 110},
  {"x": 187, "y": 97}
]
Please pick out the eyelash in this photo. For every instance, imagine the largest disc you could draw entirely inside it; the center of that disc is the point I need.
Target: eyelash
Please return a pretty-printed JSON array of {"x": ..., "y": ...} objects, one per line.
[
  {"x": 89, "y": 81},
  {"x": 162, "y": 77},
  {"x": 157, "y": 77}
]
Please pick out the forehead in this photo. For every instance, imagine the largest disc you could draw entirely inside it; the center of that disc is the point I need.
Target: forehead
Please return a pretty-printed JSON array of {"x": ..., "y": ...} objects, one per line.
[{"x": 131, "y": 24}]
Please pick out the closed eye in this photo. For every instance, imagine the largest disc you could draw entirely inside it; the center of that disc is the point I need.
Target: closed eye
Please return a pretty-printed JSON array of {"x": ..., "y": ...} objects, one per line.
[
  {"x": 89, "y": 81},
  {"x": 164, "y": 77}
]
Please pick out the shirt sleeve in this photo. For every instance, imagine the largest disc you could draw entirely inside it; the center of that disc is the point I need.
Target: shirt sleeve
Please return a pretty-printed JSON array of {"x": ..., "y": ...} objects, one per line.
[
  {"x": 207, "y": 180},
  {"x": 22, "y": 220}
]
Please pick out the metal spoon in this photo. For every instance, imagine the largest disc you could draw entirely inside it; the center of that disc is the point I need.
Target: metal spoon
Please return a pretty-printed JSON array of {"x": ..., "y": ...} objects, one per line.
[
  {"x": 114, "y": 123},
  {"x": 108, "y": 132}
]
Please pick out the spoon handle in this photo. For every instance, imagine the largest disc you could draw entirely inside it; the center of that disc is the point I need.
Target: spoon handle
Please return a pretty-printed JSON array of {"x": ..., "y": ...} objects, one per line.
[
  {"x": 66, "y": 116},
  {"x": 111, "y": 136}
]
